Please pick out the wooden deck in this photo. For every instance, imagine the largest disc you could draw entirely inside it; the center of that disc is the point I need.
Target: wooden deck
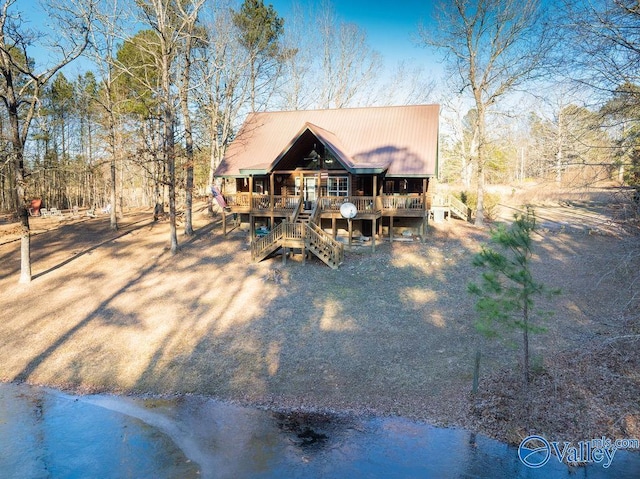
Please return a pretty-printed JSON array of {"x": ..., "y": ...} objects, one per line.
[
  {"x": 369, "y": 207},
  {"x": 294, "y": 227}
]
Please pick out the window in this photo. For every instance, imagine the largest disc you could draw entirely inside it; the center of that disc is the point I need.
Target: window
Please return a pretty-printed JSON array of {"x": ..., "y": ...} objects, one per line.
[{"x": 338, "y": 186}]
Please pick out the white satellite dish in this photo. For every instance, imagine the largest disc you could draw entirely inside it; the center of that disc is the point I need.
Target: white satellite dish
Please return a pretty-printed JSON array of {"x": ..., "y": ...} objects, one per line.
[{"x": 348, "y": 210}]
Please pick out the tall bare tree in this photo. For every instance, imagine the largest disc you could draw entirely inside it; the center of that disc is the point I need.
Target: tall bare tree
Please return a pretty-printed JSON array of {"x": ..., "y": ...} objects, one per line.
[
  {"x": 192, "y": 36},
  {"x": 104, "y": 38},
  {"x": 349, "y": 64},
  {"x": 227, "y": 89},
  {"x": 605, "y": 44},
  {"x": 169, "y": 27},
  {"x": 492, "y": 48},
  {"x": 22, "y": 84}
]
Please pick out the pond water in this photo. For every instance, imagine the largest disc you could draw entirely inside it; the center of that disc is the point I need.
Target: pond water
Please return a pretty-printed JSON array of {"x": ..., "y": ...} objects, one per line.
[{"x": 48, "y": 434}]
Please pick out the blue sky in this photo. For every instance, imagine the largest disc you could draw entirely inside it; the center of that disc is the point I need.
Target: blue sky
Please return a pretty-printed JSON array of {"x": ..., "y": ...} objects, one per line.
[{"x": 391, "y": 26}]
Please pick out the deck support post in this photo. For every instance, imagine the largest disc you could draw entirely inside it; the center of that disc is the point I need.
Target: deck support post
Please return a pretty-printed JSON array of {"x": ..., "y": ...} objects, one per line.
[
  {"x": 373, "y": 235},
  {"x": 425, "y": 206},
  {"x": 224, "y": 222},
  {"x": 391, "y": 228}
]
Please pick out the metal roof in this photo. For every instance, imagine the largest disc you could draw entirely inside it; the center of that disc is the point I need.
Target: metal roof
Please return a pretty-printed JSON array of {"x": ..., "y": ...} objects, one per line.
[{"x": 401, "y": 140}]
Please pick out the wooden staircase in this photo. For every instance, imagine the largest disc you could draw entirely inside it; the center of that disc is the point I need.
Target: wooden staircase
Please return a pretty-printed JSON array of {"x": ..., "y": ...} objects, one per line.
[
  {"x": 302, "y": 234},
  {"x": 459, "y": 209},
  {"x": 268, "y": 244},
  {"x": 303, "y": 217},
  {"x": 323, "y": 246}
]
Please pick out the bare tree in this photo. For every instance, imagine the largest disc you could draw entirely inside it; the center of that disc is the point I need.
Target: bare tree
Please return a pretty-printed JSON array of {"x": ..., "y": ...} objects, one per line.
[
  {"x": 226, "y": 85},
  {"x": 408, "y": 85},
  {"x": 492, "y": 47},
  {"x": 605, "y": 44},
  {"x": 170, "y": 22},
  {"x": 22, "y": 85},
  {"x": 104, "y": 37},
  {"x": 349, "y": 64},
  {"x": 188, "y": 15}
]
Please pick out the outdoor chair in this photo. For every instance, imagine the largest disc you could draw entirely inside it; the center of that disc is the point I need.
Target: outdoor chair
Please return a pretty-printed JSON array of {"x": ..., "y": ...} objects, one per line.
[{"x": 44, "y": 212}]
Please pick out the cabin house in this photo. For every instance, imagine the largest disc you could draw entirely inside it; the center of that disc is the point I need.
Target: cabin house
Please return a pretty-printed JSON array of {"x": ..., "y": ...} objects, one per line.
[{"x": 290, "y": 173}]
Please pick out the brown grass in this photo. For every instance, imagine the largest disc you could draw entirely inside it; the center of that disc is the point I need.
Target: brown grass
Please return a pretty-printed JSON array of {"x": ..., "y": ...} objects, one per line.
[{"x": 389, "y": 332}]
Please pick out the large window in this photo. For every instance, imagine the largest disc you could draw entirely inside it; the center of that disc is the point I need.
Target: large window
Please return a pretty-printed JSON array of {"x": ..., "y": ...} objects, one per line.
[{"x": 338, "y": 186}]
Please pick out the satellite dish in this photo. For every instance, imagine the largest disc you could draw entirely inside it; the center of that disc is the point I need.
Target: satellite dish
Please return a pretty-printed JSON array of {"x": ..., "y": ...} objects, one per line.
[{"x": 348, "y": 210}]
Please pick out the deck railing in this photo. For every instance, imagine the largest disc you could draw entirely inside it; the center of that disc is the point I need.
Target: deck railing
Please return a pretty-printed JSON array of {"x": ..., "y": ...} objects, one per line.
[
  {"x": 402, "y": 202},
  {"x": 286, "y": 203},
  {"x": 292, "y": 231},
  {"x": 260, "y": 202},
  {"x": 364, "y": 204},
  {"x": 239, "y": 200}
]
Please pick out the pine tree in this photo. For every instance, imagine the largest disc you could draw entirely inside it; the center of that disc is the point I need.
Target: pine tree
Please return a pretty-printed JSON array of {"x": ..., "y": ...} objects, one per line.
[{"x": 507, "y": 289}]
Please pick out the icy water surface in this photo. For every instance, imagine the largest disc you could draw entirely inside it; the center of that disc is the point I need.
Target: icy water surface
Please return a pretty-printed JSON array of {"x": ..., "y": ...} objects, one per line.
[{"x": 48, "y": 434}]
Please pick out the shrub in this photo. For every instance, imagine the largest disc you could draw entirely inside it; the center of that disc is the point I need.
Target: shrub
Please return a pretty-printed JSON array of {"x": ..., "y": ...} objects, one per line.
[{"x": 491, "y": 201}]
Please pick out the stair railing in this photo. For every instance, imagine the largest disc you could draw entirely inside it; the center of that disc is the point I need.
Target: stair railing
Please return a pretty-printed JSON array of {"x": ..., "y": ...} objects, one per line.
[
  {"x": 324, "y": 246},
  {"x": 459, "y": 207},
  {"x": 296, "y": 211},
  {"x": 264, "y": 243}
]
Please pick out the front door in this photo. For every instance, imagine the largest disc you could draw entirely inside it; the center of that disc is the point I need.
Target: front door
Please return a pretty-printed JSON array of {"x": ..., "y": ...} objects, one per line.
[{"x": 309, "y": 192}]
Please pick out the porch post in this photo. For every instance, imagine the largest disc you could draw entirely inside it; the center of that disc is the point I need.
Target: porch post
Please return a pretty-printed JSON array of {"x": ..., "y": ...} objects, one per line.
[
  {"x": 271, "y": 200},
  {"x": 250, "y": 193},
  {"x": 391, "y": 228},
  {"x": 373, "y": 221},
  {"x": 425, "y": 213}
]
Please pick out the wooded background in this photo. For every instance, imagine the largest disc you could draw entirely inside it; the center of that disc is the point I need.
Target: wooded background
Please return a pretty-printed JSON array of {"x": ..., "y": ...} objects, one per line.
[{"x": 533, "y": 90}]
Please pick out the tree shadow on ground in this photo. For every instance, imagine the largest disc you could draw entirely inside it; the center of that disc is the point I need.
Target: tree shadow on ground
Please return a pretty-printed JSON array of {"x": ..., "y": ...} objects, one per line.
[{"x": 390, "y": 331}]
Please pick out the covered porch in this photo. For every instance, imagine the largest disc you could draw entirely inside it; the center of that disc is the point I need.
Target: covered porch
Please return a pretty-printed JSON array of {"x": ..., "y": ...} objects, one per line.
[{"x": 283, "y": 195}]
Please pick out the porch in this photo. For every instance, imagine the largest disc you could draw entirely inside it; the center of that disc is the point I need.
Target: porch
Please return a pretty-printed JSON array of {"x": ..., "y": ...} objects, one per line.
[
  {"x": 258, "y": 204},
  {"x": 372, "y": 209}
]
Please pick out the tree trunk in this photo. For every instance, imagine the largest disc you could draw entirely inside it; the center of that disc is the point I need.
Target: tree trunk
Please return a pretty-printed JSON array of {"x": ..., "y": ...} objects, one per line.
[
  {"x": 25, "y": 234},
  {"x": 480, "y": 125},
  {"x": 188, "y": 136},
  {"x": 525, "y": 338},
  {"x": 21, "y": 200},
  {"x": 169, "y": 150},
  {"x": 113, "y": 220}
]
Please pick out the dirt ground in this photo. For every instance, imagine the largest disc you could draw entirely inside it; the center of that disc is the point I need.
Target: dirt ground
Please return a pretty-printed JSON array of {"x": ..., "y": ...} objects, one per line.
[{"x": 389, "y": 332}]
